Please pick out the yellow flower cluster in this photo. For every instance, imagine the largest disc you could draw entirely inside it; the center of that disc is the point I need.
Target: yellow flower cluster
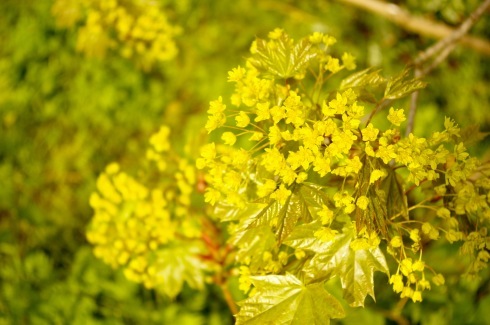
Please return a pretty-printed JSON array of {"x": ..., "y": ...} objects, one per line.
[
  {"x": 415, "y": 282},
  {"x": 134, "y": 222},
  {"x": 137, "y": 29},
  {"x": 290, "y": 143},
  {"x": 278, "y": 134},
  {"x": 273, "y": 264}
]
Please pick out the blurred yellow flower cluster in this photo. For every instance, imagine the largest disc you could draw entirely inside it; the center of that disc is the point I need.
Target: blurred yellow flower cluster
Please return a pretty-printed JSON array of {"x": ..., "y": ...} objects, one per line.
[
  {"x": 137, "y": 222},
  {"x": 136, "y": 29}
]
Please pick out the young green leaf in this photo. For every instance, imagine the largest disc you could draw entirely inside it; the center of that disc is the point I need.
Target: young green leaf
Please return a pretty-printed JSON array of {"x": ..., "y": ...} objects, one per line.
[
  {"x": 313, "y": 195},
  {"x": 284, "y": 299},
  {"x": 363, "y": 78},
  {"x": 354, "y": 267},
  {"x": 283, "y": 218},
  {"x": 252, "y": 242},
  {"x": 374, "y": 218},
  {"x": 178, "y": 264},
  {"x": 284, "y": 59},
  {"x": 396, "y": 201},
  {"x": 402, "y": 85},
  {"x": 471, "y": 135}
]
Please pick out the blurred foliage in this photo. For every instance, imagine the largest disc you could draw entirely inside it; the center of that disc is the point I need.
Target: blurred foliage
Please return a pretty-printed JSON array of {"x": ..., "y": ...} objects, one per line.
[{"x": 64, "y": 116}]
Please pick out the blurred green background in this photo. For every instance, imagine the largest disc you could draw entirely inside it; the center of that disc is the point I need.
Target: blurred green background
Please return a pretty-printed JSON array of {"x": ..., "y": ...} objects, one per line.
[{"x": 64, "y": 116}]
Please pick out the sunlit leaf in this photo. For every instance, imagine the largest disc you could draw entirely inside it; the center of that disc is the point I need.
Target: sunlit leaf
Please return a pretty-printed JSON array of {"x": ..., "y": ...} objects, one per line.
[
  {"x": 336, "y": 258},
  {"x": 471, "y": 135},
  {"x": 363, "y": 78},
  {"x": 302, "y": 237},
  {"x": 285, "y": 59},
  {"x": 226, "y": 212},
  {"x": 396, "y": 201},
  {"x": 374, "y": 218},
  {"x": 178, "y": 264},
  {"x": 313, "y": 195},
  {"x": 299, "y": 206},
  {"x": 402, "y": 85},
  {"x": 284, "y": 299}
]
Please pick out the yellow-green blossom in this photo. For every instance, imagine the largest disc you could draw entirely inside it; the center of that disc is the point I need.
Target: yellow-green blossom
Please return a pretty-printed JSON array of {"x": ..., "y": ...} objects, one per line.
[{"x": 396, "y": 116}]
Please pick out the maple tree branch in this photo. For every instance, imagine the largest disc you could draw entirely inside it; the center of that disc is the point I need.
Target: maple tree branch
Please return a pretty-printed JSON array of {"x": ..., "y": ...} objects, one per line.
[
  {"x": 417, "y": 24},
  {"x": 413, "y": 106},
  {"x": 447, "y": 43},
  {"x": 441, "y": 50},
  {"x": 229, "y": 299}
]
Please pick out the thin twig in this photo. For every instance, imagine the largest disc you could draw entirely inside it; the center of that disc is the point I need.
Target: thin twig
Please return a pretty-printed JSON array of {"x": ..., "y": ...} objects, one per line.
[
  {"x": 413, "y": 106},
  {"x": 440, "y": 52},
  {"x": 454, "y": 37},
  {"x": 229, "y": 298},
  {"x": 381, "y": 105},
  {"x": 416, "y": 24}
]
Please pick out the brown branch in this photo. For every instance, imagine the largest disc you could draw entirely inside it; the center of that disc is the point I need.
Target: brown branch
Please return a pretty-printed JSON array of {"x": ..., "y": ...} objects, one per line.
[
  {"x": 229, "y": 299},
  {"x": 416, "y": 24},
  {"x": 446, "y": 44},
  {"x": 440, "y": 52},
  {"x": 413, "y": 106}
]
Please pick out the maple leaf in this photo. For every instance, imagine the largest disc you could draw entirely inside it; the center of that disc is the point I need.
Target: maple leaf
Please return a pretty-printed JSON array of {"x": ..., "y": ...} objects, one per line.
[
  {"x": 472, "y": 135},
  {"x": 396, "y": 201},
  {"x": 363, "y": 78},
  {"x": 336, "y": 258},
  {"x": 284, "y": 299},
  {"x": 285, "y": 59},
  {"x": 251, "y": 242},
  {"x": 177, "y": 264},
  {"x": 402, "y": 85},
  {"x": 299, "y": 206}
]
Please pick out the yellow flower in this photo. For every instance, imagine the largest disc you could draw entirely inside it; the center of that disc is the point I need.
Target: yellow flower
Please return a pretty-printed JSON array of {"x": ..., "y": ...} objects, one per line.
[
  {"x": 329, "y": 40},
  {"x": 396, "y": 241},
  {"x": 418, "y": 266},
  {"x": 362, "y": 202},
  {"x": 316, "y": 37},
  {"x": 326, "y": 214},
  {"x": 438, "y": 279},
  {"x": 370, "y": 133},
  {"x": 417, "y": 296},
  {"x": 406, "y": 266},
  {"x": 274, "y": 134},
  {"x": 321, "y": 165},
  {"x": 278, "y": 113},
  {"x": 397, "y": 281},
  {"x": 349, "y": 61},
  {"x": 302, "y": 176},
  {"x": 236, "y": 74},
  {"x": 215, "y": 121},
  {"x": 396, "y": 116},
  {"x": 414, "y": 235},
  {"x": 276, "y": 33},
  {"x": 256, "y": 136},
  {"x": 159, "y": 140},
  {"x": 208, "y": 151},
  {"x": 216, "y": 106},
  {"x": 242, "y": 120},
  {"x": 375, "y": 175},
  {"x": 386, "y": 153},
  {"x": 299, "y": 253},
  {"x": 263, "y": 112},
  {"x": 332, "y": 65},
  {"x": 228, "y": 138},
  {"x": 326, "y": 234},
  {"x": 451, "y": 127},
  {"x": 266, "y": 188},
  {"x": 281, "y": 194}
]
